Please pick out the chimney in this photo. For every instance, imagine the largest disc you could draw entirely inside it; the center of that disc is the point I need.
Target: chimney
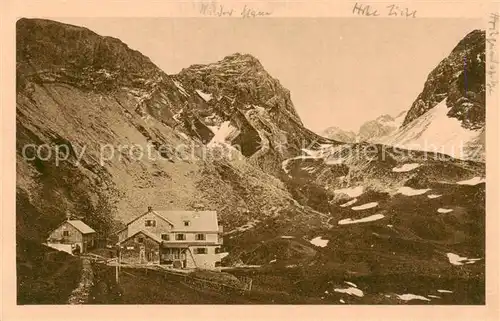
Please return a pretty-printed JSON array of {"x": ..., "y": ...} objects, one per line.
[{"x": 150, "y": 208}]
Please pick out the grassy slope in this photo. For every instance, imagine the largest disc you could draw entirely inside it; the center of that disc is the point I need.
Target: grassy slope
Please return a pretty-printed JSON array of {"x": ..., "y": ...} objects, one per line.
[{"x": 45, "y": 275}]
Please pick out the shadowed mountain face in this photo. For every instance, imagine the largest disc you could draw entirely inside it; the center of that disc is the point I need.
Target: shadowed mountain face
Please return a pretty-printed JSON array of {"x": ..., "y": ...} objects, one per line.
[
  {"x": 449, "y": 114},
  {"x": 103, "y": 133},
  {"x": 460, "y": 77}
]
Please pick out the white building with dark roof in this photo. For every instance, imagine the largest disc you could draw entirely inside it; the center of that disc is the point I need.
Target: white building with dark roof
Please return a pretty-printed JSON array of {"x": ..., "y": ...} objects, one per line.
[{"x": 182, "y": 239}]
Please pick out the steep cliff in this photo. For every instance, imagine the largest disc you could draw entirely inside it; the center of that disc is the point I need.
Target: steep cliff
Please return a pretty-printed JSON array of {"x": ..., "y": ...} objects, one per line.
[
  {"x": 459, "y": 78},
  {"x": 125, "y": 139}
]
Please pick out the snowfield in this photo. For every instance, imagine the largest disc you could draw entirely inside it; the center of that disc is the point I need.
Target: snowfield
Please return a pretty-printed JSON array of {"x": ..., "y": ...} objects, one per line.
[{"x": 434, "y": 132}]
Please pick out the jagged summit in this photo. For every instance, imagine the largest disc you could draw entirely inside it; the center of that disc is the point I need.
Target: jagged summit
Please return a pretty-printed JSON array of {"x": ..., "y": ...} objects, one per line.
[
  {"x": 472, "y": 37},
  {"x": 232, "y": 60}
]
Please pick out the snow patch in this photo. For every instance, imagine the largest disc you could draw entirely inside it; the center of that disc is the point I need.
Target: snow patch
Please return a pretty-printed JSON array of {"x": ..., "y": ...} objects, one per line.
[
  {"x": 349, "y": 203},
  {"x": 286, "y": 237},
  {"x": 456, "y": 259},
  {"x": 365, "y": 206},
  {"x": 408, "y": 297},
  {"x": 351, "y": 284},
  {"x": 341, "y": 301},
  {"x": 444, "y": 210},
  {"x": 351, "y": 192},
  {"x": 318, "y": 241},
  {"x": 408, "y": 191},
  {"x": 284, "y": 164},
  {"x": 434, "y": 195},
  {"x": 181, "y": 89},
  {"x": 351, "y": 291},
  {"x": 361, "y": 220},
  {"x": 221, "y": 133},
  {"x": 445, "y": 291},
  {"x": 473, "y": 181},
  {"x": 206, "y": 97},
  {"x": 405, "y": 168},
  {"x": 434, "y": 296}
]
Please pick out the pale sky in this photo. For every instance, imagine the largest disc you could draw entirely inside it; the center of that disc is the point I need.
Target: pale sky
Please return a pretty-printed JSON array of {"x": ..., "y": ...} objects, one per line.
[{"x": 340, "y": 71}]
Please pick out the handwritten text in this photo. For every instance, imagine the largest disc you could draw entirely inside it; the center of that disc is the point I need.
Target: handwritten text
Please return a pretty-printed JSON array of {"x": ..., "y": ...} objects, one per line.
[
  {"x": 212, "y": 9},
  {"x": 388, "y": 11},
  {"x": 491, "y": 38}
]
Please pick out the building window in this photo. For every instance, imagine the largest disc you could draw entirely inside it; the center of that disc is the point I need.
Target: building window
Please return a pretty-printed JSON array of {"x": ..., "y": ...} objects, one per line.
[
  {"x": 180, "y": 237},
  {"x": 65, "y": 233},
  {"x": 217, "y": 250},
  {"x": 200, "y": 237},
  {"x": 201, "y": 250},
  {"x": 187, "y": 223},
  {"x": 140, "y": 240},
  {"x": 165, "y": 237},
  {"x": 150, "y": 223}
]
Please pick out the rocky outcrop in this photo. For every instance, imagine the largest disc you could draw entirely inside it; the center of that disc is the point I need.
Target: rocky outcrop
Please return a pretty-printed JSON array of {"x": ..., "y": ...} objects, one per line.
[
  {"x": 239, "y": 89},
  {"x": 460, "y": 79}
]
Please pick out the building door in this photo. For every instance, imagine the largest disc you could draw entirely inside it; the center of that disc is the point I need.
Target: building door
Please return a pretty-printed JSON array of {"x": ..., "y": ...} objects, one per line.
[{"x": 142, "y": 254}]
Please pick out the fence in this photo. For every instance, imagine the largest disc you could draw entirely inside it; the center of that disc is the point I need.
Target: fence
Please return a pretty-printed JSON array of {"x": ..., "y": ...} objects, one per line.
[{"x": 183, "y": 276}]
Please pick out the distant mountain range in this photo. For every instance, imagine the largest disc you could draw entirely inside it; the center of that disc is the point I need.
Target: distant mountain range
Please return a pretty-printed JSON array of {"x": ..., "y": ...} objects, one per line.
[
  {"x": 448, "y": 116},
  {"x": 370, "y": 131}
]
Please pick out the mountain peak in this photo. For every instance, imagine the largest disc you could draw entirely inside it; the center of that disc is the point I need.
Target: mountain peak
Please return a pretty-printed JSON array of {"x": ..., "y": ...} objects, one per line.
[
  {"x": 458, "y": 78},
  {"x": 52, "y": 51}
]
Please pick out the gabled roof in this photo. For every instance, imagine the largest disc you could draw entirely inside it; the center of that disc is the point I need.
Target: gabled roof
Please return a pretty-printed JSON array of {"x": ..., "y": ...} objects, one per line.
[
  {"x": 148, "y": 234},
  {"x": 198, "y": 220},
  {"x": 154, "y": 212},
  {"x": 80, "y": 226}
]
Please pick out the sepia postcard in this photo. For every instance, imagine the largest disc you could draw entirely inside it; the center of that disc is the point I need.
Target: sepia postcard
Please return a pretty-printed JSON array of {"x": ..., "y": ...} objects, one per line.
[{"x": 250, "y": 160}]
